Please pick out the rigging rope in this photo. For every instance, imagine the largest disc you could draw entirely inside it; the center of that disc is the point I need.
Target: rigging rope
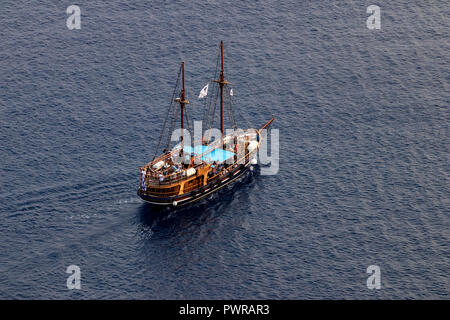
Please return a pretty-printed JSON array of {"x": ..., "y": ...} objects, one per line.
[
  {"x": 208, "y": 101},
  {"x": 242, "y": 116},
  {"x": 231, "y": 110},
  {"x": 214, "y": 111},
  {"x": 189, "y": 125},
  {"x": 168, "y": 113},
  {"x": 174, "y": 113}
]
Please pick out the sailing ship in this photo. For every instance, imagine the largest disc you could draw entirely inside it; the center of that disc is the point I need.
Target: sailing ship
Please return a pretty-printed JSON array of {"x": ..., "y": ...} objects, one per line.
[{"x": 186, "y": 174}]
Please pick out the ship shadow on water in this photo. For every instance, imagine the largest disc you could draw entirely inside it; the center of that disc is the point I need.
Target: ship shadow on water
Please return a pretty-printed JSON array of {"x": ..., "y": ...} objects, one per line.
[
  {"x": 166, "y": 222},
  {"x": 171, "y": 239}
]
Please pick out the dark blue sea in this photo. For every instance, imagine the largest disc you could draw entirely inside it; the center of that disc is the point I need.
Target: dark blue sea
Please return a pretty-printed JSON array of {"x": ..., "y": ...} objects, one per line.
[{"x": 363, "y": 119}]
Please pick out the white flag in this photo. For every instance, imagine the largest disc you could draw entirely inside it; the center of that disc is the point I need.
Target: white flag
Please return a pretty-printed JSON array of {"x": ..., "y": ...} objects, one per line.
[
  {"x": 204, "y": 92},
  {"x": 231, "y": 92}
]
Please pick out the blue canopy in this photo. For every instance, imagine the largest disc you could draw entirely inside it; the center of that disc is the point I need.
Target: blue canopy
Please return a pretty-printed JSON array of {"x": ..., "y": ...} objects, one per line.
[{"x": 218, "y": 155}]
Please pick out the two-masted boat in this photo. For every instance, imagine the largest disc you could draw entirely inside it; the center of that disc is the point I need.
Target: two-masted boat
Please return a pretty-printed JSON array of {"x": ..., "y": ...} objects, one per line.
[{"x": 188, "y": 173}]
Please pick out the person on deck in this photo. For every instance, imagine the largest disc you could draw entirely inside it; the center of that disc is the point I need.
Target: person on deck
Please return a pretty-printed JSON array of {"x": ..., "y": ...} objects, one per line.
[{"x": 192, "y": 160}]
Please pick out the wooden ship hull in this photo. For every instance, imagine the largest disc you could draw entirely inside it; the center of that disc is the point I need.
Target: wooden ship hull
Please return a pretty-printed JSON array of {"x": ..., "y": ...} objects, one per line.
[
  {"x": 197, "y": 194},
  {"x": 187, "y": 174}
]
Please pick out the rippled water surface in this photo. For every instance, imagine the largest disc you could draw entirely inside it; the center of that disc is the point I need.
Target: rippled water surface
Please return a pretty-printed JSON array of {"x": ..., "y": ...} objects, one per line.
[{"x": 364, "y": 150}]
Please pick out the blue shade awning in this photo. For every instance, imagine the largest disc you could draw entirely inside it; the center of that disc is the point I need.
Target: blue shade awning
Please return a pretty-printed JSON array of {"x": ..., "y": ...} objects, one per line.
[{"x": 218, "y": 155}]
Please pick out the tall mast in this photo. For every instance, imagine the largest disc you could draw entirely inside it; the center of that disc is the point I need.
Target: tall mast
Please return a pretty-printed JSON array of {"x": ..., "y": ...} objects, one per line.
[
  {"x": 222, "y": 82},
  {"x": 183, "y": 102},
  {"x": 222, "y": 78}
]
